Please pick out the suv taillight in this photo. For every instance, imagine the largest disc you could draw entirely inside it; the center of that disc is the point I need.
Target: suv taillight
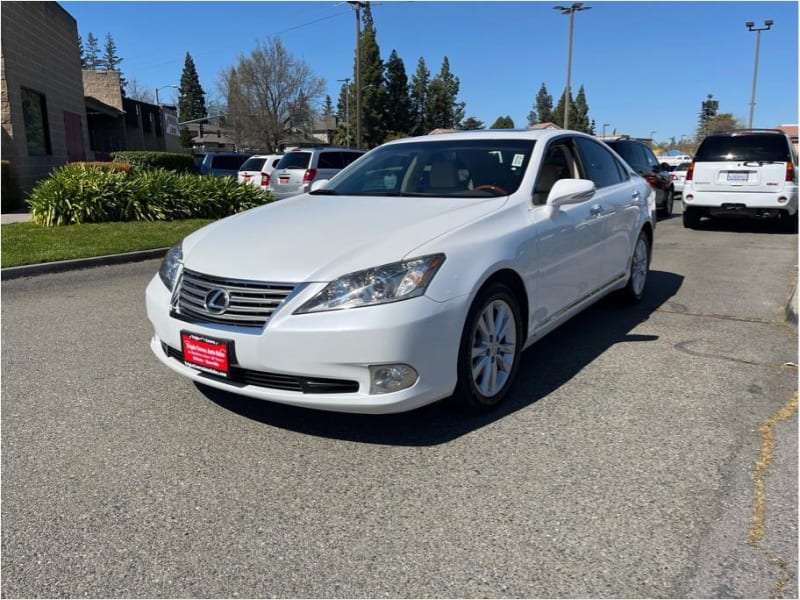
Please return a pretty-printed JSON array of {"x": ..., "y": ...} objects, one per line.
[
  {"x": 309, "y": 175},
  {"x": 264, "y": 179},
  {"x": 790, "y": 171},
  {"x": 690, "y": 172}
]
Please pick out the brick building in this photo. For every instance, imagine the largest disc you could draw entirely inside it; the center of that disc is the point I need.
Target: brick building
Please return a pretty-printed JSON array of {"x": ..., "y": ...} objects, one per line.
[{"x": 43, "y": 108}]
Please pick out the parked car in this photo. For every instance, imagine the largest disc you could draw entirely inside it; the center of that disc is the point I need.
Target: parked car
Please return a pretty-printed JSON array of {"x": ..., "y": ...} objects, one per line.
[
  {"x": 301, "y": 166},
  {"x": 420, "y": 272},
  {"x": 639, "y": 156},
  {"x": 222, "y": 164},
  {"x": 749, "y": 172},
  {"x": 678, "y": 175},
  {"x": 257, "y": 169}
]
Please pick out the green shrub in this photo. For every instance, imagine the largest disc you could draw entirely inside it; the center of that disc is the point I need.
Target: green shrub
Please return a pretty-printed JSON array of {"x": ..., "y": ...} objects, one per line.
[
  {"x": 84, "y": 193},
  {"x": 171, "y": 161},
  {"x": 111, "y": 166}
]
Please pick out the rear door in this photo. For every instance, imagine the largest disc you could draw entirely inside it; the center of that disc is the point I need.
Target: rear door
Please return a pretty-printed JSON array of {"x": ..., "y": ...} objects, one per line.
[
  {"x": 287, "y": 178},
  {"x": 746, "y": 162}
]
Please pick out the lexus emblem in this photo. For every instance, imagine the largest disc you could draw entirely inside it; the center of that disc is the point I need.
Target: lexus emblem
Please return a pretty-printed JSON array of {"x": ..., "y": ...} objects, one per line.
[{"x": 217, "y": 301}]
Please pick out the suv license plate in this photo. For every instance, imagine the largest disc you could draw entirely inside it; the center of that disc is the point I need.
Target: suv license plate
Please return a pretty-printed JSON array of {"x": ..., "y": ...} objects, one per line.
[
  {"x": 206, "y": 354},
  {"x": 737, "y": 176}
]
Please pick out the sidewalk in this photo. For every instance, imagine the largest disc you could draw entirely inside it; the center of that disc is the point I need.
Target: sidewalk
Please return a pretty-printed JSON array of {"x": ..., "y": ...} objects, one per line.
[{"x": 15, "y": 217}]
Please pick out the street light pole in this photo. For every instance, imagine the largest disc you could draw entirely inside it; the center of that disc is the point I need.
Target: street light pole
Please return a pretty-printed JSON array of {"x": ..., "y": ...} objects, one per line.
[
  {"x": 161, "y": 88},
  {"x": 346, "y": 82},
  {"x": 750, "y": 27},
  {"x": 604, "y": 128},
  {"x": 569, "y": 10}
]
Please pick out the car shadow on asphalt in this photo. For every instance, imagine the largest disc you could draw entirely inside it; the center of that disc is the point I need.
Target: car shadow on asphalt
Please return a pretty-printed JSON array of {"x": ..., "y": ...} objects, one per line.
[
  {"x": 545, "y": 366},
  {"x": 745, "y": 225}
]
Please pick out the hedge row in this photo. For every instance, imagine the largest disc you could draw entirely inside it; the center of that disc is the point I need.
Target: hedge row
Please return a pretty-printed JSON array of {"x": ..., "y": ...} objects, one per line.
[
  {"x": 171, "y": 161},
  {"x": 81, "y": 193}
]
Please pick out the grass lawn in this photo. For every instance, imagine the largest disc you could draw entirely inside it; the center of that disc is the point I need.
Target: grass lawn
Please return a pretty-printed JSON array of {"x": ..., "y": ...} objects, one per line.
[{"x": 28, "y": 244}]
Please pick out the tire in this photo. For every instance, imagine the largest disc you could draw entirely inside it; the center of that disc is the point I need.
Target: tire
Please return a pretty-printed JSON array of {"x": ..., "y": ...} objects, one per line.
[
  {"x": 639, "y": 269},
  {"x": 691, "y": 218},
  {"x": 669, "y": 203},
  {"x": 489, "y": 353}
]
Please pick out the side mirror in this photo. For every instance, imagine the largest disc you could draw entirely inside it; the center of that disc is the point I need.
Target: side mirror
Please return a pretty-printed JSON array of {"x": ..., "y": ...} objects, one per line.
[
  {"x": 570, "y": 191},
  {"x": 318, "y": 184}
]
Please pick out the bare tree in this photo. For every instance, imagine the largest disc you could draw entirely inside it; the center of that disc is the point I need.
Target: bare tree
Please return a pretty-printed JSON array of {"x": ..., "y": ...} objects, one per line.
[
  {"x": 136, "y": 91},
  {"x": 268, "y": 94}
]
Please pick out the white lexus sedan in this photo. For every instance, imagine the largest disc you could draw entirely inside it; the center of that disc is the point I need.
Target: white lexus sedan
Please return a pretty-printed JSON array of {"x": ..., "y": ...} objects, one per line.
[{"x": 419, "y": 272}]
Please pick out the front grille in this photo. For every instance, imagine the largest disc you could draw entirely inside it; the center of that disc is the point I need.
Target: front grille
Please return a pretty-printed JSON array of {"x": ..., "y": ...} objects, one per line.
[
  {"x": 251, "y": 302},
  {"x": 277, "y": 381}
]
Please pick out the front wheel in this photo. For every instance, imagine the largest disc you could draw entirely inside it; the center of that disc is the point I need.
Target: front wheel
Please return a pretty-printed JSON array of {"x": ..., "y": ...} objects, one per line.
[
  {"x": 490, "y": 349},
  {"x": 640, "y": 267}
]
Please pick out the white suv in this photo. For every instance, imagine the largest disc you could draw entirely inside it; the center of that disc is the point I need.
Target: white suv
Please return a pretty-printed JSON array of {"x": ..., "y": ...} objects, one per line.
[
  {"x": 749, "y": 172},
  {"x": 301, "y": 166}
]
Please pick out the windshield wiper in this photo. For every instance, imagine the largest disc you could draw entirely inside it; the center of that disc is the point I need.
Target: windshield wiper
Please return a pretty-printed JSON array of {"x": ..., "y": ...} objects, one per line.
[{"x": 324, "y": 192}]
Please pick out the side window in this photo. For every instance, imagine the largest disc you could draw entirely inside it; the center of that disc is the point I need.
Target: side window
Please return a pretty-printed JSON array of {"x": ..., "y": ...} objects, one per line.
[
  {"x": 651, "y": 159},
  {"x": 348, "y": 157},
  {"x": 599, "y": 164},
  {"x": 558, "y": 163},
  {"x": 330, "y": 160}
]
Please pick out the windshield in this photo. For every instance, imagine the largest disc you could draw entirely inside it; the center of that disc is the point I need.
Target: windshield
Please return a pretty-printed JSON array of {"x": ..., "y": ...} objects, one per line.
[
  {"x": 253, "y": 164},
  {"x": 295, "y": 160},
  {"x": 464, "y": 168}
]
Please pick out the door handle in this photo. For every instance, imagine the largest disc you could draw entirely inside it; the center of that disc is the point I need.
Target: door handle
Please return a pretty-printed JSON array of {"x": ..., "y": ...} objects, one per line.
[
  {"x": 596, "y": 210},
  {"x": 635, "y": 194}
]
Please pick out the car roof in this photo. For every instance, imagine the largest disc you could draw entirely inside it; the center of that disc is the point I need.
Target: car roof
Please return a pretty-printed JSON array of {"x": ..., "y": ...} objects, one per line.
[{"x": 493, "y": 134}]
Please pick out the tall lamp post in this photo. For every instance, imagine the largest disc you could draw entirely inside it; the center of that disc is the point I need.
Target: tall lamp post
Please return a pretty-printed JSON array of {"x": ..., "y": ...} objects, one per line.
[
  {"x": 604, "y": 128},
  {"x": 750, "y": 27},
  {"x": 569, "y": 10},
  {"x": 346, "y": 82},
  {"x": 163, "y": 87}
]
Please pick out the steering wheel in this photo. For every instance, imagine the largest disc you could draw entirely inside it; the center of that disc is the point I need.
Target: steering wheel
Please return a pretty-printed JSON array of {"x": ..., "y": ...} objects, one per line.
[{"x": 495, "y": 188}]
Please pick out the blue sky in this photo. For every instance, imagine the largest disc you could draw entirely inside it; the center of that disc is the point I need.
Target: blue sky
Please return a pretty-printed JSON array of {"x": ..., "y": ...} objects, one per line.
[{"x": 645, "y": 66}]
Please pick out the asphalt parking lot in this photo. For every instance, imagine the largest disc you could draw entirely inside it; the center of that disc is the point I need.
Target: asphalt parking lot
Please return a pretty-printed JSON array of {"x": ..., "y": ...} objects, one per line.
[{"x": 643, "y": 453}]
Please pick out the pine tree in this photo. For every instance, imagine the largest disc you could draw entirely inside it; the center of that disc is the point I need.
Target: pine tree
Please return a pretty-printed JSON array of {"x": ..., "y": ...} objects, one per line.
[
  {"x": 558, "y": 114},
  {"x": 543, "y": 112},
  {"x": 191, "y": 99},
  {"x": 503, "y": 123},
  {"x": 110, "y": 61},
  {"x": 82, "y": 52},
  {"x": 397, "y": 118},
  {"x": 471, "y": 124},
  {"x": 92, "y": 52},
  {"x": 443, "y": 111},
  {"x": 579, "y": 120},
  {"x": 419, "y": 97},
  {"x": 373, "y": 91},
  {"x": 344, "y": 112},
  {"x": 708, "y": 110}
]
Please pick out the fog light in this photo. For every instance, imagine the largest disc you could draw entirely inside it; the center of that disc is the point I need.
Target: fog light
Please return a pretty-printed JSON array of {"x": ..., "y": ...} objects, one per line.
[
  {"x": 391, "y": 378},
  {"x": 688, "y": 198},
  {"x": 783, "y": 200}
]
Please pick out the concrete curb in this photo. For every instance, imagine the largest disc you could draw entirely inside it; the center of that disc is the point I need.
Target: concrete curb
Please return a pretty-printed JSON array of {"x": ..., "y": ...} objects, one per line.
[
  {"x": 791, "y": 306},
  {"x": 80, "y": 263}
]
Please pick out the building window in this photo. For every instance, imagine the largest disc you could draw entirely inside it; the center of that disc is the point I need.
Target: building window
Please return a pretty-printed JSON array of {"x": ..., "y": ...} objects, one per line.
[{"x": 37, "y": 130}]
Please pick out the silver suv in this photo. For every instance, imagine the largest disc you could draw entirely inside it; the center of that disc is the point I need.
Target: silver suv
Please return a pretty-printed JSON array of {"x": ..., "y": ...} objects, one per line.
[
  {"x": 301, "y": 166},
  {"x": 747, "y": 172}
]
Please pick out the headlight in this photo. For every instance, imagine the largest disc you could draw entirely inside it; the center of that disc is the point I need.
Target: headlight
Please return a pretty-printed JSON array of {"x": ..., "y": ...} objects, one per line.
[
  {"x": 169, "y": 266},
  {"x": 380, "y": 285}
]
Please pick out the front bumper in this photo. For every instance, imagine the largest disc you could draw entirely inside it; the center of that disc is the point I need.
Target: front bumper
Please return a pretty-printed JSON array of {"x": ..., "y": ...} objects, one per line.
[{"x": 336, "y": 345}]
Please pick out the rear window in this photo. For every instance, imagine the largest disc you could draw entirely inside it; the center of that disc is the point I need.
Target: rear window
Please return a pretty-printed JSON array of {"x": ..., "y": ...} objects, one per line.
[
  {"x": 253, "y": 164},
  {"x": 747, "y": 147},
  {"x": 227, "y": 162},
  {"x": 295, "y": 160}
]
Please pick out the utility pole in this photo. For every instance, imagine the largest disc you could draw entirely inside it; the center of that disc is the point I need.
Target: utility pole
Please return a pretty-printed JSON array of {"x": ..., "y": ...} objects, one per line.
[{"x": 357, "y": 4}]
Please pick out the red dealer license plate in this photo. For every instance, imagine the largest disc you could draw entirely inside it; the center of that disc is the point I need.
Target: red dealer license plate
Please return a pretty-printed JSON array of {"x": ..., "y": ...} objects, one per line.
[{"x": 206, "y": 354}]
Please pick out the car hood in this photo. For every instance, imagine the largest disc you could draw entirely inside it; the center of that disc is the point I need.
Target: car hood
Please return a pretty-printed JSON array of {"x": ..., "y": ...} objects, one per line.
[{"x": 319, "y": 238}]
